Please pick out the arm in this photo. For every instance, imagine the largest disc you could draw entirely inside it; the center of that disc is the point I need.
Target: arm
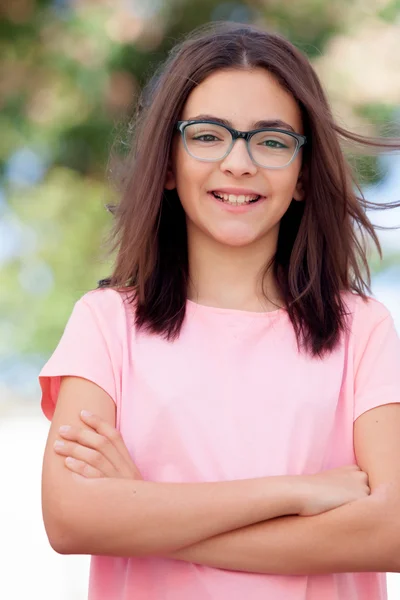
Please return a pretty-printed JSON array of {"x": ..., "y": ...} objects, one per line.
[
  {"x": 126, "y": 517},
  {"x": 360, "y": 536}
]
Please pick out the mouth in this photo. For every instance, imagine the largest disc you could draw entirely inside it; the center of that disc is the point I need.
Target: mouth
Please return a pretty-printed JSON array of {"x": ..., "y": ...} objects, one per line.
[{"x": 236, "y": 200}]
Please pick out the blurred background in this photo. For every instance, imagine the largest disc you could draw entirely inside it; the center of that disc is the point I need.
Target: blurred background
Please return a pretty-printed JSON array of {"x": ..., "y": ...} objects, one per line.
[{"x": 70, "y": 73}]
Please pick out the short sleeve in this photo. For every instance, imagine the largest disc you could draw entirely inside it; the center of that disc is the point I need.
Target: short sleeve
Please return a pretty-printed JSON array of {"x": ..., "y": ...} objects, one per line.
[
  {"x": 377, "y": 359},
  {"x": 88, "y": 348}
]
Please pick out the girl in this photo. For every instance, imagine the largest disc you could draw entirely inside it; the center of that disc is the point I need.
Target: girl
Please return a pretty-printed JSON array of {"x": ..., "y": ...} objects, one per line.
[{"x": 232, "y": 369}]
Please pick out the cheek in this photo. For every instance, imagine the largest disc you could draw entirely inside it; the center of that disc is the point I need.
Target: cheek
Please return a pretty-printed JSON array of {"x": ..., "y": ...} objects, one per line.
[
  {"x": 283, "y": 183},
  {"x": 184, "y": 168},
  {"x": 191, "y": 177}
]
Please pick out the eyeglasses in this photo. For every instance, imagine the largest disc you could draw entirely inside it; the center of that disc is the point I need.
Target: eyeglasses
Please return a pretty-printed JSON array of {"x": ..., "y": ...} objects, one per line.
[{"x": 269, "y": 148}]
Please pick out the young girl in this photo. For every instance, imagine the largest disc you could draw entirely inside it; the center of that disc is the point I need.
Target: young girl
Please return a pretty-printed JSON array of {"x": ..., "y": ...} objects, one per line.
[{"x": 238, "y": 387}]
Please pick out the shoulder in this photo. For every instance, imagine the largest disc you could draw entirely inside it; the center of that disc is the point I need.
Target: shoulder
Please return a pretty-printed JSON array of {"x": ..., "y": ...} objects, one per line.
[
  {"x": 112, "y": 311},
  {"x": 367, "y": 320},
  {"x": 103, "y": 299},
  {"x": 365, "y": 313},
  {"x": 108, "y": 302}
]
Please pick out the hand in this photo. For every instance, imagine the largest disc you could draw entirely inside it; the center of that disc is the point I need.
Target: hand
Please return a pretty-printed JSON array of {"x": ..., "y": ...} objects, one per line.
[
  {"x": 96, "y": 452},
  {"x": 331, "y": 489}
]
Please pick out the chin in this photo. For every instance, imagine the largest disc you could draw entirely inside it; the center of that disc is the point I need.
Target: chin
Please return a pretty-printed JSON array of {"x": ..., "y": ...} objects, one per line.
[
  {"x": 234, "y": 234},
  {"x": 235, "y": 241}
]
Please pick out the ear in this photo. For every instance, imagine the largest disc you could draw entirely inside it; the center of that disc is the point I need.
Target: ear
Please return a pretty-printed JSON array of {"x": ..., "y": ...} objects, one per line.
[
  {"x": 170, "y": 183},
  {"x": 299, "y": 192}
]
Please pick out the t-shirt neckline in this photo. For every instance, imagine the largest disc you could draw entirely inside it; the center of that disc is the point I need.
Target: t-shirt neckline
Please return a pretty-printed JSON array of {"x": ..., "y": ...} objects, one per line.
[{"x": 234, "y": 311}]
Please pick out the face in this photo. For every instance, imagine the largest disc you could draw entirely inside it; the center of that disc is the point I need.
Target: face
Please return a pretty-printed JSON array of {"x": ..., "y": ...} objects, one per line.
[{"x": 242, "y": 97}]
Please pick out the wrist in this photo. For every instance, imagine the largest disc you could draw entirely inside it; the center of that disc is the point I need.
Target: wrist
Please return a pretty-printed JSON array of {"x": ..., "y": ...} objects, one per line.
[
  {"x": 289, "y": 495},
  {"x": 303, "y": 491},
  {"x": 296, "y": 494}
]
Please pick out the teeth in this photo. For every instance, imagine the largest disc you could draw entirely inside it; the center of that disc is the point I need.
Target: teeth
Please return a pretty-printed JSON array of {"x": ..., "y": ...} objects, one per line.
[{"x": 232, "y": 199}]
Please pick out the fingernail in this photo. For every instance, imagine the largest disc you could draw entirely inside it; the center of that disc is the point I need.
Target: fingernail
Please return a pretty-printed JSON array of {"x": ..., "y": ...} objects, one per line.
[
  {"x": 86, "y": 413},
  {"x": 58, "y": 444},
  {"x": 64, "y": 428}
]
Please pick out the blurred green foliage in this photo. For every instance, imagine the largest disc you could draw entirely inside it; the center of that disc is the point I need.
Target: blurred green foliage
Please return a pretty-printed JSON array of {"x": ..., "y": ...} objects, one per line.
[
  {"x": 383, "y": 115},
  {"x": 70, "y": 72},
  {"x": 390, "y": 12}
]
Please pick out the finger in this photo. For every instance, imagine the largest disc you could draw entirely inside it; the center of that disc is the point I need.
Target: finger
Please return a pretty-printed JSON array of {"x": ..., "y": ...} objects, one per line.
[
  {"x": 82, "y": 468},
  {"x": 110, "y": 432},
  {"x": 87, "y": 455},
  {"x": 91, "y": 439}
]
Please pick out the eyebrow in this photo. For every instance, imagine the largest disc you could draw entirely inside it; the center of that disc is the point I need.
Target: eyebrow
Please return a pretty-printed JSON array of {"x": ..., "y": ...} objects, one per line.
[{"x": 258, "y": 125}]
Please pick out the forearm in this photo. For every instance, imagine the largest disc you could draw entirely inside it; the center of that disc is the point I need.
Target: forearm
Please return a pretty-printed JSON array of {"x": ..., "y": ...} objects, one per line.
[
  {"x": 120, "y": 517},
  {"x": 360, "y": 536}
]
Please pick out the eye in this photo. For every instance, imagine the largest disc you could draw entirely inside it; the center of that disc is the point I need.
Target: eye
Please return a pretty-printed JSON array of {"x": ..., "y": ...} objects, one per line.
[
  {"x": 274, "y": 140},
  {"x": 273, "y": 144},
  {"x": 206, "y": 133},
  {"x": 205, "y": 137}
]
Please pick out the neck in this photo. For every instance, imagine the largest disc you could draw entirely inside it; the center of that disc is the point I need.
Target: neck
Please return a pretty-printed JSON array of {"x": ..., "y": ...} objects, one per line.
[{"x": 232, "y": 277}]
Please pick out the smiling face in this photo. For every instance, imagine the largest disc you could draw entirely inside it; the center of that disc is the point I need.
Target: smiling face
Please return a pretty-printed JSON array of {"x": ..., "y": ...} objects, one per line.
[{"x": 243, "y": 98}]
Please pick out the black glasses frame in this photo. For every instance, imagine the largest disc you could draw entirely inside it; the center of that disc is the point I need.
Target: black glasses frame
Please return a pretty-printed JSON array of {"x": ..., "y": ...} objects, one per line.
[{"x": 301, "y": 140}]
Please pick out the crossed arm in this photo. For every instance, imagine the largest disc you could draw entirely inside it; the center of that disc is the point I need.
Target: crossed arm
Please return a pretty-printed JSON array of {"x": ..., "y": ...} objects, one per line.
[
  {"x": 352, "y": 538},
  {"x": 360, "y": 536}
]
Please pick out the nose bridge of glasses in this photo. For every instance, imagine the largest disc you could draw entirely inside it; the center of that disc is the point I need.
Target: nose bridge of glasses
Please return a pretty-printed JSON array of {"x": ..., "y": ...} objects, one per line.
[
  {"x": 240, "y": 135},
  {"x": 244, "y": 137}
]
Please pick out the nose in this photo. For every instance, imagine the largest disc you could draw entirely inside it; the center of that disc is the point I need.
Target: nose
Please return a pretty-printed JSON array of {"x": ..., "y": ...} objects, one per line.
[{"x": 238, "y": 161}]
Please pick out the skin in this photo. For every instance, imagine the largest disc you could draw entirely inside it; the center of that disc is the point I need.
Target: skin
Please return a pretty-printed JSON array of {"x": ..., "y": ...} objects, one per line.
[
  {"x": 238, "y": 246},
  {"x": 79, "y": 498},
  {"x": 226, "y": 254}
]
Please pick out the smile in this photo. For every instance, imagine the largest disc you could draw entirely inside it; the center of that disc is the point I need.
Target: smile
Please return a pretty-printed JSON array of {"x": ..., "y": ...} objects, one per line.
[{"x": 235, "y": 200}]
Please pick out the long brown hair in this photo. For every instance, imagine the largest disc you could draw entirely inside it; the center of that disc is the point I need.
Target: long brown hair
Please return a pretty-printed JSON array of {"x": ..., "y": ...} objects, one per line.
[{"x": 321, "y": 249}]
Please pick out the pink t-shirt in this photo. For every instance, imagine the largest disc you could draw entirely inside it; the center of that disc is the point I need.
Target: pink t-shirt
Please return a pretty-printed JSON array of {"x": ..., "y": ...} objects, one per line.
[{"x": 231, "y": 398}]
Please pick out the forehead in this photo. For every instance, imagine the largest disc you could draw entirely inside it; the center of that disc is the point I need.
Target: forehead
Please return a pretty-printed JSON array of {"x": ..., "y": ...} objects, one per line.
[{"x": 243, "y": 96}]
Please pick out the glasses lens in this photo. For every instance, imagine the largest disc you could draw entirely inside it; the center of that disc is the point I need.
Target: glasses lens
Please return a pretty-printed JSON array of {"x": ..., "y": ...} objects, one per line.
[
  {"x": 206, "y": 141},
  {"x": 272, "y": 149}
]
